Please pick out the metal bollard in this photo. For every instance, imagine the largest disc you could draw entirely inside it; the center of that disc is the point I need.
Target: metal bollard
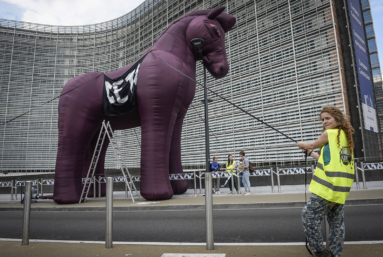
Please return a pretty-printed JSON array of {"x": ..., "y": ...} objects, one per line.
[
  {"x": 37, "y": 186},
  {"x": 279, "y": 184},
  {"x": 99, "y": 186},
  {"x": 42, "y": 187},
  {"x": 363, "y": 176},
  {"x": 232, "y": 183},
  {"x": 272, "y": 179},
  {"x": 126, "y": 190},
  {"x": 356, "y": 175},
  {"x": 109, "y": 214},
  {"x": 27, "y": 213},
  {"x": 209, "y": 212},
  {"x": 12, "y": 190},
  {"x": 94, "y": 187},
  {"x": 239, "y": 184},
  {"x": 312, "y": 171},
  {"x": 200, "y": 183},
  {"x": 195, "y": 185}
]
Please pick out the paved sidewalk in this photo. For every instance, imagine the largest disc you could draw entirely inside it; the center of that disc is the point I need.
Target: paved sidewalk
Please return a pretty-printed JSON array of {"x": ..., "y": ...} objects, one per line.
[
  {"x": 261, "y": 197},
  {"x": 38, "y": 249}
]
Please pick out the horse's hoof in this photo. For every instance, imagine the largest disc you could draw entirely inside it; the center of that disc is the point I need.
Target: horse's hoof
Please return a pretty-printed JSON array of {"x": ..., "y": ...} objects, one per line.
[
  {"x": 179, "y": 186},
  {"x": 152, "y": 194}
]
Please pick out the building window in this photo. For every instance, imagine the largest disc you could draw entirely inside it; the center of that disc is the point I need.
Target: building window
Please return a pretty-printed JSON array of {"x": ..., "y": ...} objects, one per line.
[
  {"x": 365, "y": 4},
  {"x": 374, "y": 60},
  {"x": 367, "y": 16},
  {"x": 371, "y": 45},
  {"x": 377, "y": 77},
  {"x": 370, "y": 30}
]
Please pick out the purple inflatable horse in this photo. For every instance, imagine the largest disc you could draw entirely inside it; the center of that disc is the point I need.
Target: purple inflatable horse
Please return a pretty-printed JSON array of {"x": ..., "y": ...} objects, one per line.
[{"x": 163, "y": 96}]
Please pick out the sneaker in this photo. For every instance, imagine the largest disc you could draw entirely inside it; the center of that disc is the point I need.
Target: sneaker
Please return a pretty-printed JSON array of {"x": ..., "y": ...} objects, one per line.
[
  {"x": 325, "y": 253},
  {"x": 230, "y": 192},
  {"x": 219, "y": 192},
  {"x": 247, "y": 193}
]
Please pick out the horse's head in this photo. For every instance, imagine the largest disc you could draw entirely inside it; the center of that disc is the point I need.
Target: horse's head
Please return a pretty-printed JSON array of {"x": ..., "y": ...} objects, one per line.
[{"x": 212, "y": 28}]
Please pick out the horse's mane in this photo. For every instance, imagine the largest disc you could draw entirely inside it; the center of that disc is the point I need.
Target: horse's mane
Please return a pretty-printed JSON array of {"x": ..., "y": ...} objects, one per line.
[
  {"x": 227, "y": 21},
  {"x": 195, "y": 13}
]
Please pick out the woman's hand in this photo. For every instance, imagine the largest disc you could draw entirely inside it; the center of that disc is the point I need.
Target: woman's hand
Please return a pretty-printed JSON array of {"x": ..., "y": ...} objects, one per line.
[
  {"x": 302, "y": 145},
  {"x": 311, "y": 153}
]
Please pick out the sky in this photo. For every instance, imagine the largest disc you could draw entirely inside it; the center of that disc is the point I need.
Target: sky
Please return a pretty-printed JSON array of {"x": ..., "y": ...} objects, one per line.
[
  {"x": 377, "y": 17},
  {"x": 66, "y": 12},
  {"x": 82, "y": 12}
]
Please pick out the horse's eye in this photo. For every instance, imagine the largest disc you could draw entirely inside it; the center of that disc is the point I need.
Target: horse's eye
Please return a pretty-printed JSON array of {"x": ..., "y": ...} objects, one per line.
[{"x": 216, "y": 30}]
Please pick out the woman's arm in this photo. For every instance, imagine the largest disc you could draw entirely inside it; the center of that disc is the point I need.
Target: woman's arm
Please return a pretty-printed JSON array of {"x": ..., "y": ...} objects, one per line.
[
  {"x": 312, "y": 154},
  {"x": 321, "y": 141},
  {"x": 315, "y": 155}
]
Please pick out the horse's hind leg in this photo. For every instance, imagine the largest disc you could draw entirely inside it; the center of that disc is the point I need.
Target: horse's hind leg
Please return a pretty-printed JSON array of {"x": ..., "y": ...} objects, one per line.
[
  {"x": 69, "y": 166},
  {"x": 79, "y": 120},
  {"x": 100, "y": 164}
]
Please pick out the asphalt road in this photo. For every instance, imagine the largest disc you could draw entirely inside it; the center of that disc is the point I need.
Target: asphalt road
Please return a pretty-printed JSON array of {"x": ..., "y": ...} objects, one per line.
[{"x": 363, "y": 223}]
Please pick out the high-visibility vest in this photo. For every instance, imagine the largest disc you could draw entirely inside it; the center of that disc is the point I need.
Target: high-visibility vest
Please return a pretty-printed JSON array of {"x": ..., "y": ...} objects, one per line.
[
  {"x": 231, "y": 168},
  {"x": 333, "y": 181}
]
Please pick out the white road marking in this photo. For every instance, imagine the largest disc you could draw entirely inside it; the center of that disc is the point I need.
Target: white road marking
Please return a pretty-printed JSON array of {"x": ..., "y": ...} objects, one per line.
[
  {"x": 194, "y": 255},
  {"x": 181, "y": 244}
]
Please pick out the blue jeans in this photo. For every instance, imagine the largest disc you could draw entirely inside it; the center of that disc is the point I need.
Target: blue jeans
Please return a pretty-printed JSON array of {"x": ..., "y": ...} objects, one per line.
[
  {"x": 240, "y": 179},
  {"x": 246, "y": 180},
  {"x": 312, "y": 215}
]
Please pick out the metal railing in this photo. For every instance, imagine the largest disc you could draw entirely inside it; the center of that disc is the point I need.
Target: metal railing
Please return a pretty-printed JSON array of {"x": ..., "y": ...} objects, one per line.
[
  {"x": 366, "y": 167},
  {"x": 195, "y": 175}
]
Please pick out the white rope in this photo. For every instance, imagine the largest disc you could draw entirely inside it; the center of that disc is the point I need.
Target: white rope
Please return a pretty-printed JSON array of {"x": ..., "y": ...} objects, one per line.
[
  {"x": 372, "y": 166},
  {"x": 5, "y": 183},
  {"x": 265, "y": 172},
  {"x": 293, "y": 171},
  {"x": 47, "y": 182}
]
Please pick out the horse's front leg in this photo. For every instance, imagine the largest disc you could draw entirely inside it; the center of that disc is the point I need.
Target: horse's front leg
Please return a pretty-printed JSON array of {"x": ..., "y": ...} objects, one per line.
[
  {"x": 159, "y": 101},
  {"x": 157, "y": 124}
]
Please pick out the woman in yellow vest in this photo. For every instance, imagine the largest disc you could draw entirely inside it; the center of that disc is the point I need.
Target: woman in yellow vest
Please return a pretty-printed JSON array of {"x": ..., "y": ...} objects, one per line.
[
  {"x": 230, "y": 169},
  {"x": 331, "y": 184}
]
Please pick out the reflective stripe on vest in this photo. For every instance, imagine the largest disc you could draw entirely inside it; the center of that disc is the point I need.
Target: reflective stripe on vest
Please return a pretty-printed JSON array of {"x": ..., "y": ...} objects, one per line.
[
  {"x": 333, "y": 181},
  {"x": 335, "y": 174},
  {"x": 331, "y": 186}
]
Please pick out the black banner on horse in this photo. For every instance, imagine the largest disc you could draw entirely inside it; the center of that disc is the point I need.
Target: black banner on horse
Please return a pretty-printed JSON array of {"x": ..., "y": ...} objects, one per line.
[{"x": 119, "y": 94}]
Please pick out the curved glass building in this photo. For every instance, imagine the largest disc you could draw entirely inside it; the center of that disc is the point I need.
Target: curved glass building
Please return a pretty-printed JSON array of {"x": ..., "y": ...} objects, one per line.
[{"x": 286, "y": 62}]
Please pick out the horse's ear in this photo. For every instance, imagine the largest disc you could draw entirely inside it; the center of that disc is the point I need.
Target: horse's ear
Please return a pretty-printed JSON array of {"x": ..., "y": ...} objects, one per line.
[
  {"x": 227, "y": 21},
  {"x": 215, "y": 12}
]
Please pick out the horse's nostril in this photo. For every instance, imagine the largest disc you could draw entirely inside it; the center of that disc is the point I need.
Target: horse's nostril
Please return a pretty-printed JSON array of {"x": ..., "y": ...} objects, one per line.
[{"x": 221, "y": 68}]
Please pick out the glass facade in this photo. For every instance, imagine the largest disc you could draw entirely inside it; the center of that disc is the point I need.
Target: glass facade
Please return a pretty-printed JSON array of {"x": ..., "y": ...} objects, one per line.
[
  {"x": 370, "y": 30},
  {"x": 374, "y": 61},
  {"x": 284, "y": 67},
  {"x": 367, "y": 16},
  {"x": 365, "y": 4},
  {"x": 377, "y": 76},
  {"x": 371, "y": 45}
]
